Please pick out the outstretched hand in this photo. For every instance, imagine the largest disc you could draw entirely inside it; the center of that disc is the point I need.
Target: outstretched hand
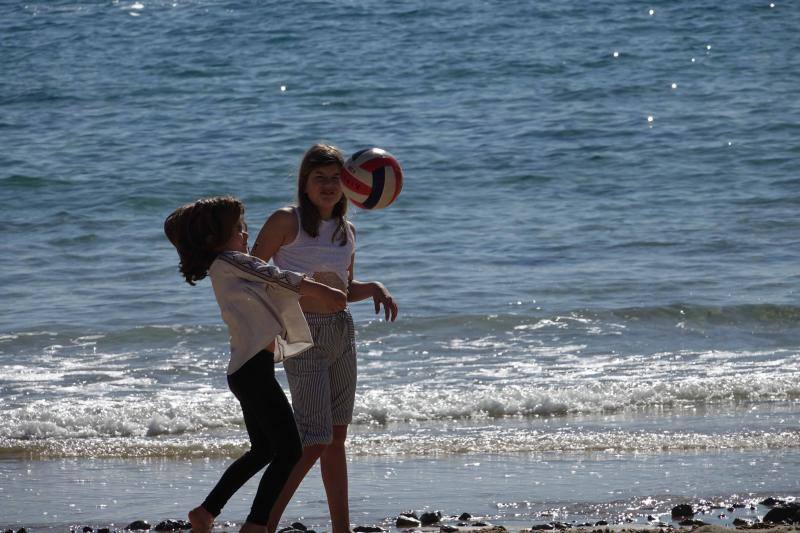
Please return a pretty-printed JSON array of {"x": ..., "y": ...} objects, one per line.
[{"x": 381, "y": 296}]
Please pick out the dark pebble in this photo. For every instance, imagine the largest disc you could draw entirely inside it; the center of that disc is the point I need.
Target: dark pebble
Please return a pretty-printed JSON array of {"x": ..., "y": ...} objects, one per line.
[
  {"x": 138, "y": 525},
  {"x": 683, "y": 510},
  {"x": 601, "y": 523},
  {"x": 103, "y": 530},
  {"x": 730, "y": 509},
  {"x": 87, "y": 529},
  {"x": 368, "y": 529},
  {"x": 691, "y": 523},
  {"x": 301, "y": 527},
  {"x": 8, "y": 531},
  {"x": 22, "y": 530},
  {"x": 430, "y": 517},
  {"x": 650, "y": 517},
  {"x": 310, "y": 531},
  {"x": 405, "y": 520},
  {"x": 465, "y": 516},
  {"x": 785, "y": 514},
  {"x": 542, "y": 527},
  {"x": 480, "y": 524},
  {"x": 171, "y": 524},
  {"x": 561, "y": 526},
  {"x": 769, "y": 502},
  {"x": 738, "y": 506},
  {"x": 447, "y": 529},
  {"x": 462, "y": 524},
  {"x": 741, "y": 522}
]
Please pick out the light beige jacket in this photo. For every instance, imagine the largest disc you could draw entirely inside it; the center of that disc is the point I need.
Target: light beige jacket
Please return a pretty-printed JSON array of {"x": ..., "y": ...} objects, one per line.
[{"x": 259, "y": 303}]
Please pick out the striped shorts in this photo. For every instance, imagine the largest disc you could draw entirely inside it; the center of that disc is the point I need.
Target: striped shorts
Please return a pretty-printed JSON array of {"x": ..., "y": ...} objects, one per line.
[{"x": 322, "y": 379}]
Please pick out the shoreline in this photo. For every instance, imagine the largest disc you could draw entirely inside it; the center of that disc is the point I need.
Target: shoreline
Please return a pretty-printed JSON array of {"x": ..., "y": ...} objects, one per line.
[
  {"x": 783, "y": 516},
  {"x": 516, "y": 492},
  {"x": 182, "y": 525}
]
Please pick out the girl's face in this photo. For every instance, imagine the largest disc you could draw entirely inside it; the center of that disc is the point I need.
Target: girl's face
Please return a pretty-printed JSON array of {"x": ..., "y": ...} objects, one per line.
[
  {"x": 238, "y": 240},
  {"x": 324, "y": 188}
]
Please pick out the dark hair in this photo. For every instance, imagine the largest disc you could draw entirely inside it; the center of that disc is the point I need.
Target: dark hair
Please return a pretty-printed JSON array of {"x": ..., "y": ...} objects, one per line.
[
  {"x": 320, "y": 155},
  {"x": 199, "y": 230}
]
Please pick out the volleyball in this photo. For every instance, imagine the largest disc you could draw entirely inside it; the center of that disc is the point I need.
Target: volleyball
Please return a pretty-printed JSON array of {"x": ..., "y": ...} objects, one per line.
[{"x": 372, "y": 178}]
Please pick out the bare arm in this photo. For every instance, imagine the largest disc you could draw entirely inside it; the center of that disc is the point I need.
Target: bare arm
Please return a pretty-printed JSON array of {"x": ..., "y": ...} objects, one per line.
[
  {"x": 361, "y": 290},
  {"x": 279, "y": 229}
]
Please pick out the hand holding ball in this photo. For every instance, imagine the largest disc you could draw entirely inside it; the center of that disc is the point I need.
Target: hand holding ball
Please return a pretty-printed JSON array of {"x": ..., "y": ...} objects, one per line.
[{"x": 372, "y": 178}]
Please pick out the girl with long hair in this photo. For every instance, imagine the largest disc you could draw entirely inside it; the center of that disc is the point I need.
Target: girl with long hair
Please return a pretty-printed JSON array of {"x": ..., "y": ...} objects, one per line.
[{"x": 315, "y": 237}]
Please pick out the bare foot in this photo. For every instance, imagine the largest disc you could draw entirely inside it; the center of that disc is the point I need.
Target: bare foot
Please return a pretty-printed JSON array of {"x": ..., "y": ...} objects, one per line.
[
  {"x": 202, "y": 521},
  {"x": 250, "y": 527}
]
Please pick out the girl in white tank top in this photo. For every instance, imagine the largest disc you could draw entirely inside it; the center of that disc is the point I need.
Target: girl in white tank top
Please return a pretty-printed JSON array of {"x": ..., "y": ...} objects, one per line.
[
  {"x": 316, "y": 238},
  {"x": 323, "y": 253}
]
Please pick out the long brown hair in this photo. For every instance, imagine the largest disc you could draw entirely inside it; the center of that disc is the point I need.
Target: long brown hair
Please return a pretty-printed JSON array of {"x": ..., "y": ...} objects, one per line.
[
  {"x": 199, "y": 230},
  {"x": 320, "y": 155}
]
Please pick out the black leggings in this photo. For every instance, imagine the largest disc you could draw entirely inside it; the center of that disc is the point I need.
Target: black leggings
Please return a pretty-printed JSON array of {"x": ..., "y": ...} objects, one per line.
[{"x": 273, "y": 439}]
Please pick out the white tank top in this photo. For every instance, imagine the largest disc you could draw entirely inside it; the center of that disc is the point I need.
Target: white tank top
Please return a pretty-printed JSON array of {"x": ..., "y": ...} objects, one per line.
[{"x": 309, "y": 254}]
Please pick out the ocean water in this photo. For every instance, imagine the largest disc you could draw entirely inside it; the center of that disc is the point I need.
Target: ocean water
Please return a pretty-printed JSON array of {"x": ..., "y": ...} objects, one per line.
[{"x": 595, "y": 253}]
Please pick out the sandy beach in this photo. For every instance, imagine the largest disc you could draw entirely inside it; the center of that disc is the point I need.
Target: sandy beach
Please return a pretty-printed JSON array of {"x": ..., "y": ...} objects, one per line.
[
  {"x": 540, "y": 493},
  {"x": 781, "y": 517},
  {"x": 175, "y": 525}
]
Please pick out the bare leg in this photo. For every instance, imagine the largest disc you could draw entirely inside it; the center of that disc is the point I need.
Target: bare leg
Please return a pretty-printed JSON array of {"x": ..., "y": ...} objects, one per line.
[
  {"x": 201, "y": 520},
  {"x": 310, "y": 456},
  {"x": 334, "y": 477}
]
